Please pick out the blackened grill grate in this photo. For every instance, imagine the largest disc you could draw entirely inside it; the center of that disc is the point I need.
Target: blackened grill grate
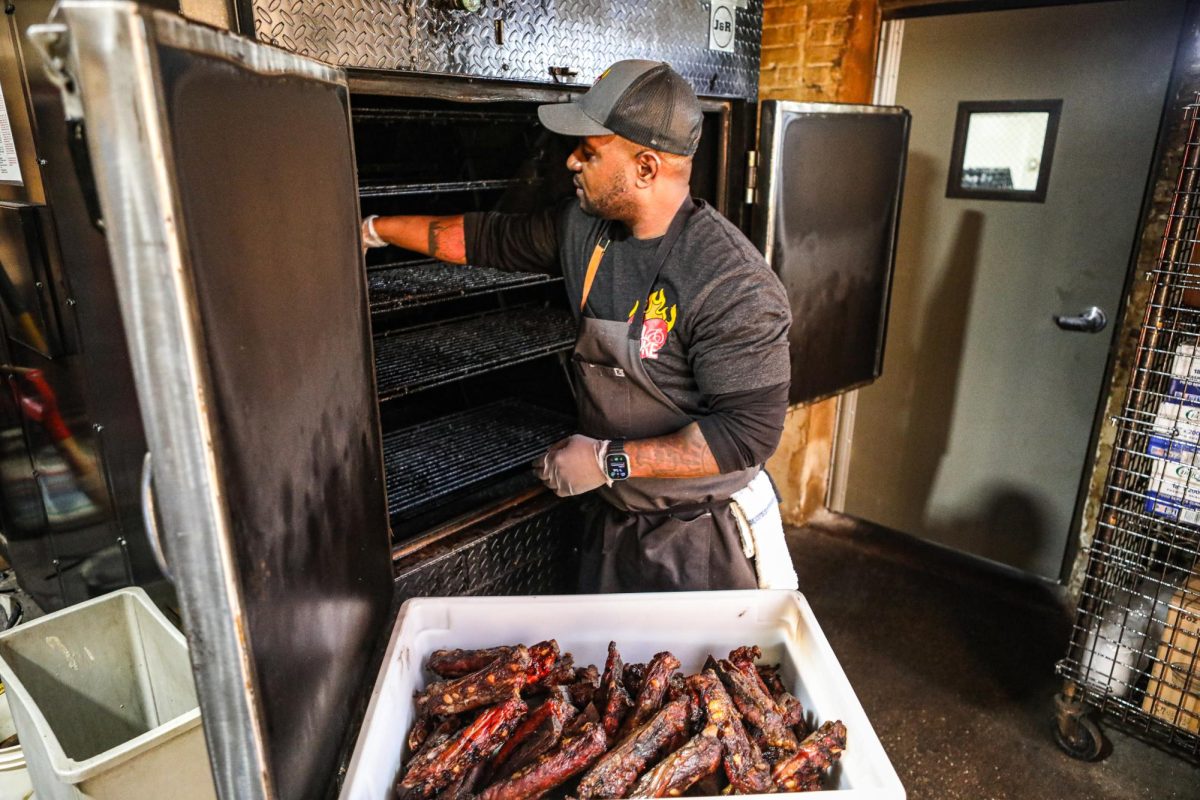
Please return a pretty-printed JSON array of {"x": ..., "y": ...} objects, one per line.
[
  {"x": 445, "y": 116},
  {"x": 369, "y": 191},
  {"x": 434, "y": 459},
  {"x": 410, "y": 285},
  {"x": 420, "y": 358}
]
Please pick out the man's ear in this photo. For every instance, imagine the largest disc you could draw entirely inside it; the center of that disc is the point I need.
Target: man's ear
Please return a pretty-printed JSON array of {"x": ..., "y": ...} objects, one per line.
[{"x": 647, "y": 165}]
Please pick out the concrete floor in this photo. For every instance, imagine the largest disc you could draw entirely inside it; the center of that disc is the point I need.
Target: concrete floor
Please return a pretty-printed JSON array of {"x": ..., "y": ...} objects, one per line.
[{"x": 954, "y": 665}]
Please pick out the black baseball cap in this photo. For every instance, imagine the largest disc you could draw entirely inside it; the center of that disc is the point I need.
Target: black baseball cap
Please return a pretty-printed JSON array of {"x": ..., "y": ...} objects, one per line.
[{"x": 646, "y": 102}]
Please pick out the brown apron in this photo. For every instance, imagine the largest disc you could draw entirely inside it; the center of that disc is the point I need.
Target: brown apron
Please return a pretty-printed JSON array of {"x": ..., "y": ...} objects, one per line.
[{"x": 649, "y": 534}]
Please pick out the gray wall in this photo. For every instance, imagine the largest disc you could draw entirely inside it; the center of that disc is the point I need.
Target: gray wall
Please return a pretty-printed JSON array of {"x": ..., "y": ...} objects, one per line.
[{"x": 976, "y": 436}]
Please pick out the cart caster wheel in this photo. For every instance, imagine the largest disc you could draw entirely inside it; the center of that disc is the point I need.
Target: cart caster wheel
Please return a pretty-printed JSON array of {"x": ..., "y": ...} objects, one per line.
[{"x": 1076, "y": 732}]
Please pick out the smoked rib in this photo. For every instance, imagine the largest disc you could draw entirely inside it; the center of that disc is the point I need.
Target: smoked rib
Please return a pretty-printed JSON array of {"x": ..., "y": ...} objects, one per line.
[
  {"x": 586, "y": 685},
  {"x": 614, "y": 773},
  {"x": 551, "y": 769},
  {"x": 615, "y": 700},
  {"x": 816, "y": 753},
  {"x": 536, "y": 734},
  {"x": 437, "y": 767},
  {"x": 756, "y": 706},
  {"x": 474, "y": 738},
  {"x": 543, "y": 658},
  {"x": 632, "y": 676},
  {"x": 456, "y": 663},
  {"x": 674, "y": 775},
  {"x": 497, "y": 681},
  {"x": 744, "y": 765},
  {"x": 654, "y": 684}
]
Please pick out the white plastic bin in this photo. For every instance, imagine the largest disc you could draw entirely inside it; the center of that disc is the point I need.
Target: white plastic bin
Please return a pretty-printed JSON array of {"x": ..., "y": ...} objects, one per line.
[
  {"x": 14, "y": 776},
  {"x": 104, "y": 703},
  {"x": 689, "y": 624}
]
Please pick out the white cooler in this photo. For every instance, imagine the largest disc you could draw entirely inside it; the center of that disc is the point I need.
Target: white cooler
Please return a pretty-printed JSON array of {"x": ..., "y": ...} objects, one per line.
[{"x": 689, "y": 624}]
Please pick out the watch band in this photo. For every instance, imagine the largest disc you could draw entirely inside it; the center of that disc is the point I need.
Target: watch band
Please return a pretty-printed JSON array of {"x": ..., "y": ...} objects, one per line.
[{"x": 616, "y": 461}]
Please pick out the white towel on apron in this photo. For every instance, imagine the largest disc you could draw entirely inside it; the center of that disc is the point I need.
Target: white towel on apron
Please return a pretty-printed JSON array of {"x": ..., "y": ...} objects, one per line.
[{"x": 756, "y": 509}]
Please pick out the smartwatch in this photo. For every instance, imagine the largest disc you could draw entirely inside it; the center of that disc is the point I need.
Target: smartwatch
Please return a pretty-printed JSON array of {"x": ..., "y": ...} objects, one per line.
[{"x": 616, "y": 461}]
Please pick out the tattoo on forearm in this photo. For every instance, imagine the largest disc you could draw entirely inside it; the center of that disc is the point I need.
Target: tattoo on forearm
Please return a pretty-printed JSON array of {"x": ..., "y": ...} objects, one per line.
[
  {"x": 443, "y": 243},
  {"x": 684, "y": 454}
]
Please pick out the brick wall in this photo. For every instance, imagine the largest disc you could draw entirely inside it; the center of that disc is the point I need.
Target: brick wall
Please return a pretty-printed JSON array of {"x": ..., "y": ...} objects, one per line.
[
  {"x": 818, "y": 50},
  {"x": 814, "y": 51}
]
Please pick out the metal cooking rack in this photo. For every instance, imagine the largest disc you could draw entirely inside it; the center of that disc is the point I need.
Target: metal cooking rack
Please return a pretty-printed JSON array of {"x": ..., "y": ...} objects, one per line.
[
  {"x": 1133, "y": 655},
  {"x": 471, "y": 446},
  {"x": 430, "y": 355},
  {"x": 368, "y": 191},
  {"x": 416, "y": 283}
]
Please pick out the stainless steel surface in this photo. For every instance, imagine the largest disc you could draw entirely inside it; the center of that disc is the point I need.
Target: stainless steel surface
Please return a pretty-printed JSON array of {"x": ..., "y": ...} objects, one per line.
[
  {"x": 125, "y": 122},
  {"x": 250, "y": 470},
  {"x": 150, "y": 516},
  {"x": 581, "y": 36},
  {"x": 1091, "y": 320},
  {"x": 829, "y": 181},
  {"x": 767, "y": 190}
]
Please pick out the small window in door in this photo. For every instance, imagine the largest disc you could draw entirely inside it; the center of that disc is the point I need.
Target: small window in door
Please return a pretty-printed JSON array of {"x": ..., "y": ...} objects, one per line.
[{"x": 1003, "y": 149}]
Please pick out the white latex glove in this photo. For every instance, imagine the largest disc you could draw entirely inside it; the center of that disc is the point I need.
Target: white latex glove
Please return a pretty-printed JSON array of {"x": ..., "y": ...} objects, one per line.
[
  {"x": 573, "y": 466},
  {"x": 369, "y": 237}
]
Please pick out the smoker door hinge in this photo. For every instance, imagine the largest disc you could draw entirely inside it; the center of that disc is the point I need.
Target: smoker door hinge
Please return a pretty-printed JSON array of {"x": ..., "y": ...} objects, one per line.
[{"x": 751, "y": 177}]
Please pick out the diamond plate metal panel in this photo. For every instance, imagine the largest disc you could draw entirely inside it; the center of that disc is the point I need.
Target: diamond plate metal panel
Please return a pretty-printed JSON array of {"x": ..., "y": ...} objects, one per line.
[
  {"x": 532, "y": 556},
  {"x": 518, "y": 41}
]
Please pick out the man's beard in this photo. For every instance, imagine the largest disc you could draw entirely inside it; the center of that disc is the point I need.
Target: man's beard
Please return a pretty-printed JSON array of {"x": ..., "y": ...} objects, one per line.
[{"x": 612, "y": 203}]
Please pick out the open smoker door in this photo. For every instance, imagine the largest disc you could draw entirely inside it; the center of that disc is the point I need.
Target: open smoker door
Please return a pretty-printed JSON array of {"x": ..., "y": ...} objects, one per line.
[
  {"x": 830, "y": 183},
  {"x": 225, "y": 177}
]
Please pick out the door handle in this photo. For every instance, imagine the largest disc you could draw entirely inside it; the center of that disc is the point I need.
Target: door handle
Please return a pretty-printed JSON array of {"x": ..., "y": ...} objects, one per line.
[{"x": 1092, "y": 320}]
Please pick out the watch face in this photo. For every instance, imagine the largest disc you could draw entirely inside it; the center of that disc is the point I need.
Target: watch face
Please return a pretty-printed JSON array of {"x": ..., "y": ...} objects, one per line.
[{"x": 618, "y": 466}]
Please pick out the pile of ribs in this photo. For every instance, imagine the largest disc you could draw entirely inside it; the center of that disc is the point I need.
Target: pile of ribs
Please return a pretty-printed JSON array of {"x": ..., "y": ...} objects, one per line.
[{"x": 518, "y": 723}]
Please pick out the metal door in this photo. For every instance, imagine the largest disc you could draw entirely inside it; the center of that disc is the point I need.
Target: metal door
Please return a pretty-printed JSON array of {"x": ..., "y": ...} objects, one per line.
[
  {"x": 977, "y": 435},
  {"x": 225, "y": 177},
  {"x": 831, "y": 182}
]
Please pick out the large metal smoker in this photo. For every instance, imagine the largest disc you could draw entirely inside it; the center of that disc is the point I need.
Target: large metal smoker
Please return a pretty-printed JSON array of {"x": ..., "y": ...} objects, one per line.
[{"x": 300, "y": 446}]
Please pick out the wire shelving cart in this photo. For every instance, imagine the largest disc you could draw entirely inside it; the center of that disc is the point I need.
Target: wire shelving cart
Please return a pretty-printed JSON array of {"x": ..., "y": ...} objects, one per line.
[{"x": 1134, "y": 656}]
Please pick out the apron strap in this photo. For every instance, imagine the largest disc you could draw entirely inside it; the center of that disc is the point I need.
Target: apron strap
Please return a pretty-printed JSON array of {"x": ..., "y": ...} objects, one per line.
[
  {"x": 593, "y": 265},
  {"x": 686, "y": 209}
]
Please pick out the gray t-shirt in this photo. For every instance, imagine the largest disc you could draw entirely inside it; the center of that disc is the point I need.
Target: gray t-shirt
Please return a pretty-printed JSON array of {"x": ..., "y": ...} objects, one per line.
[{"x": 717, "y": 317}]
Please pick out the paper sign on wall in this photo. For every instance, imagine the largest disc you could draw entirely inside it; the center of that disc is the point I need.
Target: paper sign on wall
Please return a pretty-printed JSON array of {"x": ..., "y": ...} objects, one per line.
[
  {"x": 722, "y": 25},
  {"x": 10, "y": 168}
]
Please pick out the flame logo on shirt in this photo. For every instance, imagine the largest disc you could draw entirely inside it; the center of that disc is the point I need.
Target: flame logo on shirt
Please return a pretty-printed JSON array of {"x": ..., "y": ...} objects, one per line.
[{"x": 660, "y": 320}]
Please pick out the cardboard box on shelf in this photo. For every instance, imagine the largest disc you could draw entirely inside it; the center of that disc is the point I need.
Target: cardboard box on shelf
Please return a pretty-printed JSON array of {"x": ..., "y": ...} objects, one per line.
[
  {"x": 1185, "y": 374},
  {"x": 1174, "y": 491},
  {"x": 1175, "y": 434},
  {"x": 1173, "y": 691}
]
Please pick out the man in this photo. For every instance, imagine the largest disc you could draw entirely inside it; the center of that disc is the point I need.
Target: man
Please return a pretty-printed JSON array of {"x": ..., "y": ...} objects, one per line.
[{"x": 681, "y": 358}]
